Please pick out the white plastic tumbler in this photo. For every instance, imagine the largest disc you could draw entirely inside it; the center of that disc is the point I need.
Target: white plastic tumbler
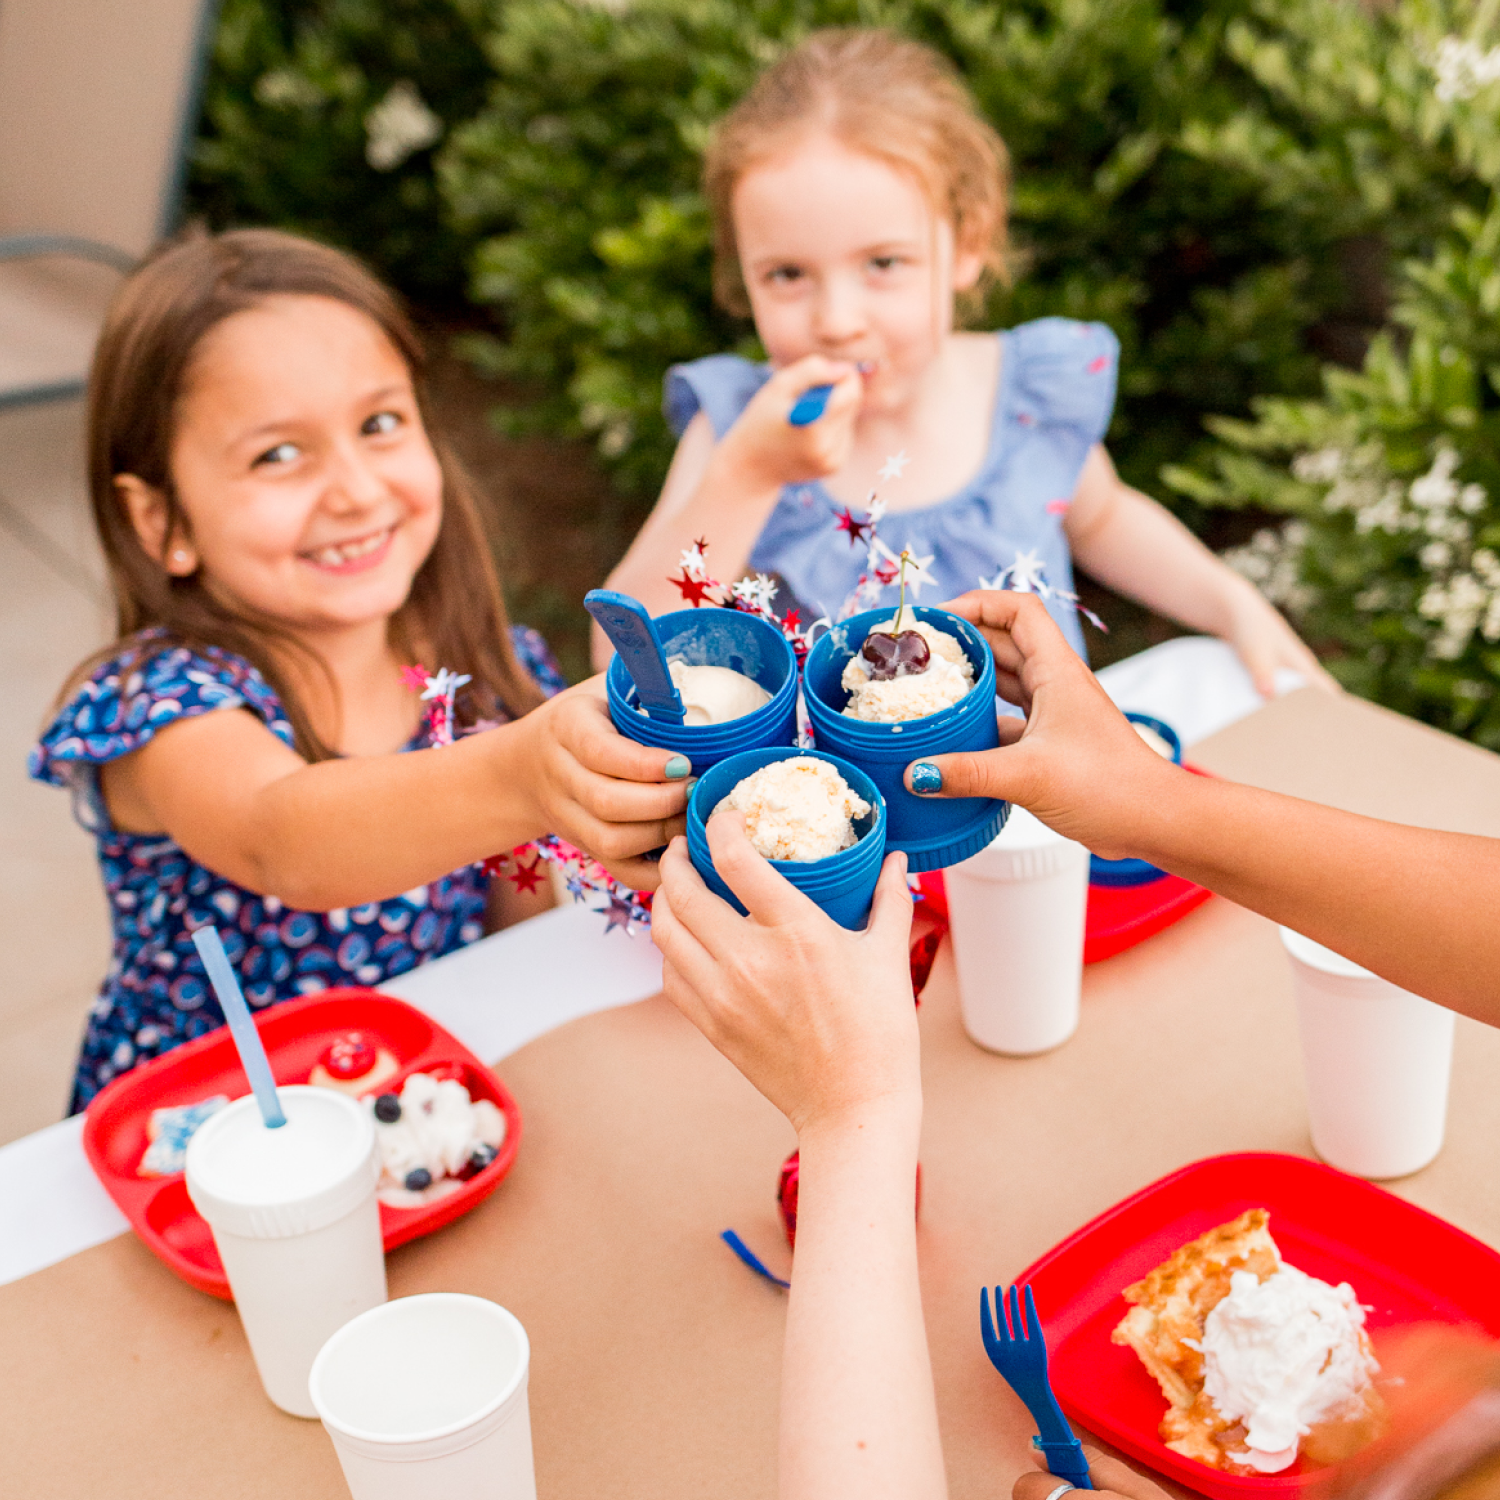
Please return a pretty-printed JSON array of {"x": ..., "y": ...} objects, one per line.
[
  {"x": 1377, "y": 1060},
  {"x": 425, "y": 1399},
  {"x": 1016, "y": 912},
  {"x": 294, "y": 1215}
]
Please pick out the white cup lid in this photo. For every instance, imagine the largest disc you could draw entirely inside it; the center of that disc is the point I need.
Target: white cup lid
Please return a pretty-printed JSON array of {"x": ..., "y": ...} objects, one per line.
[
  {"x": 1316, "y": 956},
  {"x": 269, "y": 1184},
  {"x": 1023, "y": 831}
]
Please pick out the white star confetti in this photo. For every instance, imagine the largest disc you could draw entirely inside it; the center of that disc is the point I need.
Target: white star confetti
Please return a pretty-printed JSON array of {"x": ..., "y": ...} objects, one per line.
[{"x": 894, "y": 466}]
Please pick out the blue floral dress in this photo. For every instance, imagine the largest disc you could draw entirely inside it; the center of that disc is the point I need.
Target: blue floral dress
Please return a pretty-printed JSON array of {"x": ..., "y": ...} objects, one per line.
[
  {"x": 1053, "y": 403},
  {"x": 155, "y": 996}
]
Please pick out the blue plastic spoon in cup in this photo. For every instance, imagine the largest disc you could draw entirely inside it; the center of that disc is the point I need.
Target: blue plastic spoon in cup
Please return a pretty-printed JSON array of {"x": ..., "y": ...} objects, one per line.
[{"x": 633, "y": 635}]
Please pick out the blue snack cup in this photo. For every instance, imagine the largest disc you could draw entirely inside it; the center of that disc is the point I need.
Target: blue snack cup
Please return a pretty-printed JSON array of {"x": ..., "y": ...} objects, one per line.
[
  {"x": 844, "y": 883},
  {"x": 715, "y": 638},
  {"x": 1127, "y": 872},
  {"x": 933, "y": 831}
]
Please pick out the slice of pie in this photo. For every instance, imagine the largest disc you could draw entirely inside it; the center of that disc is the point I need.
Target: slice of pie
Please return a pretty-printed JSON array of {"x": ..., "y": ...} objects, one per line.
[{"x": 1288, "y": 1365}]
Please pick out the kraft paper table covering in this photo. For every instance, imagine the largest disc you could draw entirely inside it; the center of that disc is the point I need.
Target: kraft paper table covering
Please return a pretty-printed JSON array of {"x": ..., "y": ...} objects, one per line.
[{"x": 655, "y": 1354}]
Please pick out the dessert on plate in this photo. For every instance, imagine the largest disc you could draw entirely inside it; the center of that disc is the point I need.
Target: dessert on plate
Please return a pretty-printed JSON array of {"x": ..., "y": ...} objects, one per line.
[
  {"x": 353, "y": 1064},
  {"x": 1259, "y": 1362},
  {"x": 432, "y": 1138},
  {"x": 798, "y": 809},
  {"x": 906, "y": 669}
]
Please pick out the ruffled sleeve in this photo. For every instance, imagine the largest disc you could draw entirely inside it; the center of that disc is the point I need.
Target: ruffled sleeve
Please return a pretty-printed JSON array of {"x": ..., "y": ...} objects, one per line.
[
  {"x": 137, "y": 693},
  {"x": 721, "y": 386},
  {"x": 535, "y": 656},
  {"x": 1065, "y": 374}
]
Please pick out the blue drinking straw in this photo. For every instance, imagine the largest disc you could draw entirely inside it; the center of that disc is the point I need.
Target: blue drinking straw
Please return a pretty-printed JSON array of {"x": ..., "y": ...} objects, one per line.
[{"x": 246, "y": 1038}]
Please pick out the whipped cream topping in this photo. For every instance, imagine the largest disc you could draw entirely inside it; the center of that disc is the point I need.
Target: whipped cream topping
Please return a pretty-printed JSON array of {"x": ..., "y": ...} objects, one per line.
[
  {"x": 948, "y": 677},
  {"x": 438, "y": 1130},
  {"x": 1283, "y": 1354},
  {"x": 798, "y": 809}
]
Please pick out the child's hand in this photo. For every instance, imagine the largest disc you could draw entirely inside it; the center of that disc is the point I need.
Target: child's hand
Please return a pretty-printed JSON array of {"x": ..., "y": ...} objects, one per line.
[
  {"x": 1110, "y": 1477},
  {"x": 764, "y": 450},
  {"x": 1267, "y": 645},
  {"x": 1076, "y": 763},
  {"x": 819, "y": 1019},
  {"x": 606, "y": 794}
]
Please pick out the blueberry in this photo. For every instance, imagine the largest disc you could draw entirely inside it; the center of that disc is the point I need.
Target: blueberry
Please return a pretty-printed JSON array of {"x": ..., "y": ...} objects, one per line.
[
  {"x": 417, "y": 1179},
  {"x": 388, "y": 1108},
  {"x": 482, "y": 1157}
]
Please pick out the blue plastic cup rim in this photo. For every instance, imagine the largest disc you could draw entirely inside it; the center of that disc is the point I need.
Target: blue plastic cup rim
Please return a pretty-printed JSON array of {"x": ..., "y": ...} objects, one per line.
[
  {"x": 811, "y": 874},
  {"x": 1121, "y": 874},
  {"x": 775, "y": 718},
  {"x": 927, "y": 730}
]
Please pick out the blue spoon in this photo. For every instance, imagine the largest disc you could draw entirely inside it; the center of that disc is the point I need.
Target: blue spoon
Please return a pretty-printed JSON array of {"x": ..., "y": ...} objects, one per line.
[
  {"x": 633, "y": 634},
  {"x": 811, "y": 405}
]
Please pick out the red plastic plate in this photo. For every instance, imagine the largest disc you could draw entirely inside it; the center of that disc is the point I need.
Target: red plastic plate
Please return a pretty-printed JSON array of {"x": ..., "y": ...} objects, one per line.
[
  {"x": 1406, "y": 1265},
  {"x": 1119, "y": 917},
  {"x": 295, "y": 1034}
]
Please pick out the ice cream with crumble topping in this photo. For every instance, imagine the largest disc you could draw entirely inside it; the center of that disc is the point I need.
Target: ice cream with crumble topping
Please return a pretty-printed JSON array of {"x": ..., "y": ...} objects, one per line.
[
  {"x": 798, "y": 809},
  {"x": 904, "y": 681}
]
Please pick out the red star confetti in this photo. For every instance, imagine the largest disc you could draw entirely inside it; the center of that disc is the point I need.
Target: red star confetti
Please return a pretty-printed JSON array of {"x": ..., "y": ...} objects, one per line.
[
  {"x": 696, "y": 591},
  {"x": 858, "y": 530},
  {"x": 528, "y": 878}
]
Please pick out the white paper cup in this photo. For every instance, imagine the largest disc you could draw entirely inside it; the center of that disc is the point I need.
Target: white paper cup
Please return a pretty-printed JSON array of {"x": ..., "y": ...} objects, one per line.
[
  {"x": 1016, "y": 913},
  {"x": 1377, "y": 1060},
  {"x": 426, "y": 1397},
  {"x": 294, "y": 1214}
]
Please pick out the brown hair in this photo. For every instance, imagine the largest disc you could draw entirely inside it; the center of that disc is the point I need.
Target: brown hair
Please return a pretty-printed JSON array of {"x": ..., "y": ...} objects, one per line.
[
  {"x": 454, "y": 614},
  {"x": 881, "y": 94}
]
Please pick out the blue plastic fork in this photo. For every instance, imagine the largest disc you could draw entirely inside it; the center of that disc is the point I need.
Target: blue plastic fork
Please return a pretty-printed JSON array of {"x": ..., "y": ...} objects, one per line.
[{"x": 1017, "y": 1349}]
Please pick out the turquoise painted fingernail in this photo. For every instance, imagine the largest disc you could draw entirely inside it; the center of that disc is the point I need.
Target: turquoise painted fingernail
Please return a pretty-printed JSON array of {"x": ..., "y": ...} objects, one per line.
[
  {"x": 690, "y": 783},
  {"x": 678, "y": 767},
  {"x": 926, "y": 778}
]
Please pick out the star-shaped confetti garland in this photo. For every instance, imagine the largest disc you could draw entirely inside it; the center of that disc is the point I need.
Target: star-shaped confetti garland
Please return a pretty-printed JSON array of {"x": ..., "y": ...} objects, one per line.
[
  {"x": 1028, "y": 575},
  {"x": 527, "y": 878},
  {"x": 585, "y": 879},
  {"x": 858, "y": 530},
  {"x": 438, "y": 690}
]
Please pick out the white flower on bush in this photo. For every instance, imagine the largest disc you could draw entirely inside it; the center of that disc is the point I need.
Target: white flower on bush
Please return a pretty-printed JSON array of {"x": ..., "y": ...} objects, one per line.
[
  {"x": 399, "y": 125},
  {"x": 1271, "y": 560},
  {"x": 1462, "y": 69}
]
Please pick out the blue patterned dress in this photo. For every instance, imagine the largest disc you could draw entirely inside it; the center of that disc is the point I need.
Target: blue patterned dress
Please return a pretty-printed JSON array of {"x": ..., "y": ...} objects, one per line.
[
  {"x": 155, "y": 996},
  {"x": 1053, "y": 403}
]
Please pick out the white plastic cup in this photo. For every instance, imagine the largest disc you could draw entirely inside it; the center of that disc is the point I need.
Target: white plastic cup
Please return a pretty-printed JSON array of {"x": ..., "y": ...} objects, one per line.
[
  {"x": 425, "y": 1399},
  {"x": 1377, "y": 1060},
  {"x": 294, "y": 1214},
  {"x": 1016, "y": 913}
]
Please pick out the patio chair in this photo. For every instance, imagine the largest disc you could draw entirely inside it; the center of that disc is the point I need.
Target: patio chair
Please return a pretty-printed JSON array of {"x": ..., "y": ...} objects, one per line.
[{"x": 98, "y": 102}]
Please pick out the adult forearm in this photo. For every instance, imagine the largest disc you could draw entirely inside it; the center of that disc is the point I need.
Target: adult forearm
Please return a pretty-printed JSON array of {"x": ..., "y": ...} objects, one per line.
[
  {"x": 344, "y": 832},
  {"x": 858, "y": 1412},
  {"x": 1414, "y": 905}
]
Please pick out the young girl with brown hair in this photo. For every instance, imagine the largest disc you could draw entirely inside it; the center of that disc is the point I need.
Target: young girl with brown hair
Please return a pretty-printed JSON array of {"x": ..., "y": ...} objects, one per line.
[
  {"x": 284, "y": 536},
  {"x": 858, "y": 197}
]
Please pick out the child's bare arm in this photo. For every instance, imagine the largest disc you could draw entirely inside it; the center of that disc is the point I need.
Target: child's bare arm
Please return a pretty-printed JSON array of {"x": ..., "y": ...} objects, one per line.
[
  {"x": 725, "y": 491},
  {"x": 1413, "y": 905},
  {"x": 1138, "y": 548},
  {"x": 822, "y": 1022},
  {"x": 343, "y": 832}
]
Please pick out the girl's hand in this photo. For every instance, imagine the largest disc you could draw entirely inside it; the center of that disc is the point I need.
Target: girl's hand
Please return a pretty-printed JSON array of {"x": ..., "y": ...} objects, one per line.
[
  {"x": 819, "y": 1019},
  {"x": 1110, "y": 1477},
  {"x": 606, "y": 794},
  {"x": 1075, "y": 763},
  {"x": 764, "y": 451},
  {"x": 1267, "y": 645}
]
